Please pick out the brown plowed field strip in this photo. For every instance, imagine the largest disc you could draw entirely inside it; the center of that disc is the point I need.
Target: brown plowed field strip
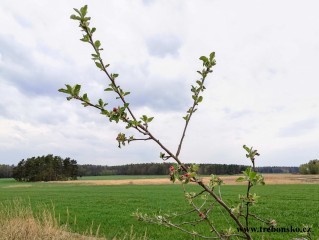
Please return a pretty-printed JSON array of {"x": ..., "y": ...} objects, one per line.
[{"x": 229, "y": 180}]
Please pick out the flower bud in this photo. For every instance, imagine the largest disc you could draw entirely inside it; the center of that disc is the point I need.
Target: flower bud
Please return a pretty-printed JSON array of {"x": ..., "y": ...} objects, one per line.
[{"x": 202, "y": 215}]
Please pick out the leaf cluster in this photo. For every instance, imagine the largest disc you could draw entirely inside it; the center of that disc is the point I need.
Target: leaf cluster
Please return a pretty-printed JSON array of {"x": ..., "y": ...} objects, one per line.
[
  {"x": 251, "y": 153},
  {"x": 253, "y": 177},
  {"x": 177, "y": 172},
  {"x": 208, "y": 63}
]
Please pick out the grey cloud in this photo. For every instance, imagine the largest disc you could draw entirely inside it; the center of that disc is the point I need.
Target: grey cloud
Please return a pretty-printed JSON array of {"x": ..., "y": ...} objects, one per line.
[
  {"x": 34, "y": 80},
  {"x": 299, "y": 128},
  {"x": 163, "y": 45},
  {"x": 161, "y": 95},
  {"x": 12, "y": 52},
  {"x": 22, "y": 71}
]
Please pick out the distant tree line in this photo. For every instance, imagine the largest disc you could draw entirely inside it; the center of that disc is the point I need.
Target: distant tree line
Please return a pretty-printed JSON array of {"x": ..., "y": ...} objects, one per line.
[
  {"x": 278, "y": 169},
  {"x": 154, "y": 169},
  {"x": 6, "y": 171},
  {"x": 312, "y": 167},
  {"x": 163, "y": 169},
  {"x": 134, "y": 169},
  {"x": 45, "y": 168}
]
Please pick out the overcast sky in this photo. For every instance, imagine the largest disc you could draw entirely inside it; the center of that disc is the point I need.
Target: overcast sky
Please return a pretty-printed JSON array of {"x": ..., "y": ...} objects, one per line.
[{"x": 264, "y": 91}]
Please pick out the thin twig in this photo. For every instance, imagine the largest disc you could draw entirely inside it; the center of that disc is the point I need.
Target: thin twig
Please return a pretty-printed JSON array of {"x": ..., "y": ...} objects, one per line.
[
  {"x": 258, "y": 218},
  {"x": 247, "y": 205},
  {"x": 202, "y": 236},
  {"x": 204, "y": 216},
  {"x": 100, "y": 108},
  {"x": 139, "y": 139},
  {"x": 221, "y": 202},
  {"x": 182, "y": 214},
  {"x": 193, "y": 223},
  {"x": 91, "y": 41},
  {"x": 191, "y": 233},
  {"x": 195, "y": 103},
  {"x": 200, "y": 193}
]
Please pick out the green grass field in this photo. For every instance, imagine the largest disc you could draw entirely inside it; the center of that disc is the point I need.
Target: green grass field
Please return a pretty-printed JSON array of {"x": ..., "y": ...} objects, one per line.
[{"x": 111, "y": 206}]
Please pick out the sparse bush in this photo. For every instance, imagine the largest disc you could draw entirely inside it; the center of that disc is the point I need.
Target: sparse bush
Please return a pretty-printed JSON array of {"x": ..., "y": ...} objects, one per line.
[{"x": 312, "y": 167}]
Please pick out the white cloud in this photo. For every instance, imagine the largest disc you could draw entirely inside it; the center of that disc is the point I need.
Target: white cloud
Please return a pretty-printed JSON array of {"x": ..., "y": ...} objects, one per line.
[{"x": 263, "y": 91}]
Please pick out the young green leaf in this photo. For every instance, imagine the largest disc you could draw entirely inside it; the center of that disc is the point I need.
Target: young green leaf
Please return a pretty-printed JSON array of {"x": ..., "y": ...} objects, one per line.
[
  {"x": 194, "y": 89},
  {"x": 95, "y": 56},
  {"x": 99, "y": 65},
  {"x": 199, "y": 82},
  {"x": 74, "y": 17},
  {"x": 101, "y": 103},
  {"x": 195, "y": 167},
  {"x": 186, "y": 117},
  {"x": 77, "y": 11},
  {"x": 204, "y": 59},
  {"x": 83, "y": 10},
  {"x": 97, "y": 44},
  {"x": 252, "y": 175},
  {"x": 85, "y": 97},
  {"x": 69, "y": 88},
  {"x": 105, "y": 112},
  {"x": 63, "y": 90},
  {"x": 144, "y": 118},
  {"x": 247, "y": 171},
  {"x": 85, "y": 38},
  {"x": 126, "y": 105},
  {"x": 211, "y": 56},
  {"x": 77, "y": 89},
  {"x": 193, "y": 174},
  {"x": 114, "y": 75},
  {"x": 194, "y": 97},
  {"x": 246, "y": 148}
]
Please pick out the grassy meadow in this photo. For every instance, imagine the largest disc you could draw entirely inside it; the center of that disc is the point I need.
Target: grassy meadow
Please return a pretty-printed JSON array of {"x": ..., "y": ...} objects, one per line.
[{"x": 109, "y": 208}]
